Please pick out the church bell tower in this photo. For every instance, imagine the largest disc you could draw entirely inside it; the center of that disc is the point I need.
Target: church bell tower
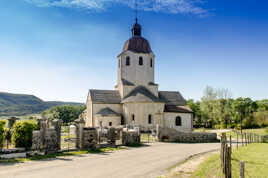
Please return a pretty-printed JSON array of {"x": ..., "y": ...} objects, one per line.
[{"x": 136, "y": 64}]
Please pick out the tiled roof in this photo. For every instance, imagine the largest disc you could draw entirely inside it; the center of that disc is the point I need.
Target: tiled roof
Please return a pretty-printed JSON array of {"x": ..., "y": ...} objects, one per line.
[
  {"x": 172, "y": 98},
  {"x": 178, "y": 109},
  {"x": 107, "y": 112},
  {"x": 137, "y": 44},
  {"x": 105, "y": 96},
  {"x": 140, "y": 94}
]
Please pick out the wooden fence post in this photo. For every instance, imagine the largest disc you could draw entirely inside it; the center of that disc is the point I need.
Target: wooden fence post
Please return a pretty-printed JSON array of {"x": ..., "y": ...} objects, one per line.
[
  {"x": 242, "y": 139},
  {"x": 231, "y": 142},
  {"x": 236, "y": 140},
  {"x": 246, "y": 139},
  {"x": 242, "y": 169},
  {"x": 228, "y": 173}
]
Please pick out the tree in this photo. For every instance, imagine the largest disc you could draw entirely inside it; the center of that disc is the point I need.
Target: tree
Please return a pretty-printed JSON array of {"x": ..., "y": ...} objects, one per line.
[
  {"x": 67, "y": 113},
  {"x": 244, "y": 108},
  {"x": 195, "y": 107}
]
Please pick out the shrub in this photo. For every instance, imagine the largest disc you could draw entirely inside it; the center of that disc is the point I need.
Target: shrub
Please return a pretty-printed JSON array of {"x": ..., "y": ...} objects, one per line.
[
  {"x": 218, "y": 126},
  {"x": 266, "y": 130},
  {"x": 2, "y": 132},
  {"x": 22, "y": 133},
  {"x": 238, "y": 127}
]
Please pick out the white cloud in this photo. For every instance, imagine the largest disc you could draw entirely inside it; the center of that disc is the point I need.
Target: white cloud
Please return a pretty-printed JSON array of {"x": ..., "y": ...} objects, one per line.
[{"x": 167, "y": 6}]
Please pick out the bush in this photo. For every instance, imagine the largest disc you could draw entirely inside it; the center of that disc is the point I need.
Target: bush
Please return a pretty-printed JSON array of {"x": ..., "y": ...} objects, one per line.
[
  {"x": 2, "y": 132},
  {"x": 266, "y": 130},
  {"x": 22, "y": 133},
  {"x": 218, "y": 126},
  {"x": 238, "y": 127}
]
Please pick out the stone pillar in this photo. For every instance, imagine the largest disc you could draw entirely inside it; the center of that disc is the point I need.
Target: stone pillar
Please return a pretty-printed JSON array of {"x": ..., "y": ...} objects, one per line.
[
  {"x": 80, "y": 124},
  {"x": 43, "y": 127},
  {"x": 11, "y": 122},
  {"x": 57, "y": 124},
  {"x": 112, "y": 136}
]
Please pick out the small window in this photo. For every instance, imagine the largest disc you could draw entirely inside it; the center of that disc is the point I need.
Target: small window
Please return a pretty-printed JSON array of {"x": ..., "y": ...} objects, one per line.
[
  {"x": 150, "y": 119},
  {"x": 140, "y": 61},
  {"x": 178, "y": 121},
  {"x": 127, "y": 61},
  {"x": 110, "y": 123},
  {"x": 133, "y": 117},
  {"x": 151, "y": 64}
]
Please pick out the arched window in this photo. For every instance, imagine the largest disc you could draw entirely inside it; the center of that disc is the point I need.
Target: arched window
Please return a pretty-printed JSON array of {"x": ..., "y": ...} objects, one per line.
[
  {"x": 151, "y": 64},
  {"x": 127, "y": 61},
  {"x": 133, "y": 117},
  {"x": 178, "y": 121},
  {"x": 140, "y": 61},
  {"x": 150, "y": 119}
]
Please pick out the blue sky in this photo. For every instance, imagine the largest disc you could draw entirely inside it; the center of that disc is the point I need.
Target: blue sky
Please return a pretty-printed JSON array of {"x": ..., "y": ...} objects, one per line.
[{"x": 58, "y": 49}]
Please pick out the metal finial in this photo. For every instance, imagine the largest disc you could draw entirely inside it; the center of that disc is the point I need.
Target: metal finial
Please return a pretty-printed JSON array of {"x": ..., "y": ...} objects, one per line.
[{"x": 136, "y": 11}]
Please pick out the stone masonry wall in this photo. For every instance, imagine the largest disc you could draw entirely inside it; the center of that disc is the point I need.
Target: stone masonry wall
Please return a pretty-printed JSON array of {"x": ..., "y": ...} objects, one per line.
[
  {"x": 171, "y": 135},
  {"x": 130, "y": 138}
]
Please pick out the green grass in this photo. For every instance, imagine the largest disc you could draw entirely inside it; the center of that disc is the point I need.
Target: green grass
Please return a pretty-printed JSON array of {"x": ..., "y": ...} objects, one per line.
[
  {"x": 254, "y": 155},
  {"x": 57, "y": 155},
  {"x": 145, "y": 138}
]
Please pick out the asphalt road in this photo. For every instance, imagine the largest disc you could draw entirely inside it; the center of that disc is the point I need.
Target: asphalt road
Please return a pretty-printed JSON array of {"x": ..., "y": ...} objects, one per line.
[{"x": 149, "y": 161}]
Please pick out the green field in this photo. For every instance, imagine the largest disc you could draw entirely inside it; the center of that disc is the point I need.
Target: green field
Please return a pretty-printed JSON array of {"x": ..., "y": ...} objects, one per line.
[{"x": 254, "y": 155}]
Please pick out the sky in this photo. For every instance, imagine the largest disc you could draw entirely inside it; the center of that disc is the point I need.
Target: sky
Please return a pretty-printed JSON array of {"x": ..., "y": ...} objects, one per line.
[{"x": 59, "y": 49}]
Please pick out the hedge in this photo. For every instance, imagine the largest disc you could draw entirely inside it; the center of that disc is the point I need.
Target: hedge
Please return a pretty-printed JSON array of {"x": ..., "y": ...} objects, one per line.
[
  {"x": 2, "y": 132},
  {"x": 22, "y": 133}
]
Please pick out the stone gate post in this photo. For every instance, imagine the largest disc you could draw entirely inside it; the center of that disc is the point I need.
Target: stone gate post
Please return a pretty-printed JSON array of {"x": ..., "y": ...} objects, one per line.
[
  {"x": 43, "y": 127},
  {"x": 57, "y": 124},
  {"x": 11, "y": 122},
  {"x": 80, "y": 124}
]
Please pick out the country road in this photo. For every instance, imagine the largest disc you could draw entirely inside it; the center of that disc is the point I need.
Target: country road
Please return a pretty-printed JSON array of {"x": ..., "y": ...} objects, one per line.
[{"x": 149, "y": 161}]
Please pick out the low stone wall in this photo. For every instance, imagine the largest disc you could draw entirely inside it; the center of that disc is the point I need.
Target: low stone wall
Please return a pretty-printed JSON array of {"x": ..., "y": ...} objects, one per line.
[
  {"x": 130, "y": 138},
  {"x": 90, "y": 138},
  {"x": 171, "y": 135},
  {"x": 47, "y": 139},
  {"x": 50, "y": 142}
]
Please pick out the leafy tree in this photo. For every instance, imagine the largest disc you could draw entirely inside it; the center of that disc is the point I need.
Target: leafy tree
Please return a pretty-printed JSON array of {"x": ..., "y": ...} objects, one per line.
[
  {"x": 67, "y": 113},
  {"x": 244, "y": 108},
  {"x": 195, "y": 107},
  {"x": 2, "y": 132}
]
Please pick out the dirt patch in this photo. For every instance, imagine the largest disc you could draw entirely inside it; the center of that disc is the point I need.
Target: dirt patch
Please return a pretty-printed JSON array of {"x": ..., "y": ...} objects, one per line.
[{"x": 188, "y": 167}]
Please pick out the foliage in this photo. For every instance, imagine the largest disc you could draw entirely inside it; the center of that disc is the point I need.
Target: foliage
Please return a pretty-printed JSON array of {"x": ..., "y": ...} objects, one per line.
[
  {"x": 2, "y": 132},
  {"x": 66, "y": 113},
  {"x": 22, "y": 133},
  {"x": 217, "y": 109},
  {"x": 266, "y": 130},
  {"x": 20, "y": 105}
]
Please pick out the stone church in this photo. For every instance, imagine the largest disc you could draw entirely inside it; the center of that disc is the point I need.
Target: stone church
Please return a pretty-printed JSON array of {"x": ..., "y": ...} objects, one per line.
[{"x": 136, "y": 99}]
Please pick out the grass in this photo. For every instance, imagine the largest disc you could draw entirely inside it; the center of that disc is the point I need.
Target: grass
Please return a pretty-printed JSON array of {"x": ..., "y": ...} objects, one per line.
[
  {"x": 145, "y": 138},
  {"x": 254, "y": 155},
  {"x": 57, "y": 155}
]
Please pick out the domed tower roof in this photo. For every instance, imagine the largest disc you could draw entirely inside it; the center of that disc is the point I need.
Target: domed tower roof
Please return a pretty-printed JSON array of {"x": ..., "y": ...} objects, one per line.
[{"x": 137, "y": 43}]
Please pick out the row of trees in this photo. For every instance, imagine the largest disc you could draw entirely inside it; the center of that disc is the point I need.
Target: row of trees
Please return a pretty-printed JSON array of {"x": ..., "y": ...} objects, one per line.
[{"x": 217, "y": 109}]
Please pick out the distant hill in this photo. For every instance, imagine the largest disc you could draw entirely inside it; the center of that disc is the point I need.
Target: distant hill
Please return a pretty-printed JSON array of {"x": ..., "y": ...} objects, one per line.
[{"x": 20, "y": 104}]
